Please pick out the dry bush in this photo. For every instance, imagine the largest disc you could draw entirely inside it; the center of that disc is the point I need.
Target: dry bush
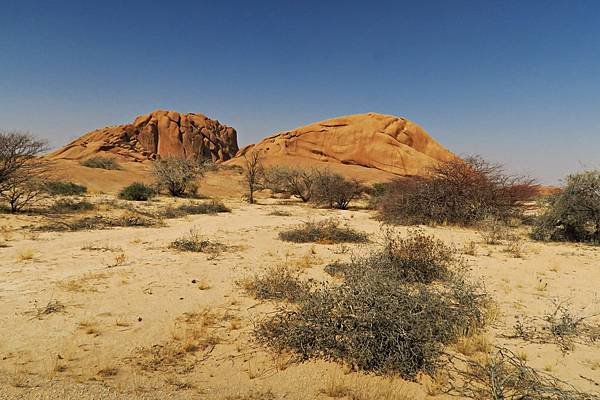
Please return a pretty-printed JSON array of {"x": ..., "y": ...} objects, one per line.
[
  {"x": 295, "y": 182},
  {"x": 505, "y": 376},
  {"x": 280, "y": 213},
  {"x": 573, "y": 214},
  {"x": 52, "y": 307},
  {"x": 127, "y": 219},
  {"x": 194, "y": 242},
  {"x": 493, "y": 230},
  {"x": 458, "y": 192},
  {"x": 335, "y": 191},
  {"x": 515, "y": 246},
  {"x": 328, "y": 231},
  {"x": 277, "y": 283},
  {"x": 65, "y": 206},
  {"x": 102, "y": 163},
  {"x": 416, "y": 258},
  {"x": 63, "y": 188},
  {"x": 177, "y": 175},
  {"x": 370, "y": 321},
  {"x": 211, "y": 207},
  {"x": 561, "y": 326},
  {"x": 376, "y": 193}
]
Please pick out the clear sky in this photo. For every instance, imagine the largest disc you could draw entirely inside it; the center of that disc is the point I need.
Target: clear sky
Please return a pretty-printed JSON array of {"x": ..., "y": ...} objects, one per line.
[{"x": 514, "y": 81}]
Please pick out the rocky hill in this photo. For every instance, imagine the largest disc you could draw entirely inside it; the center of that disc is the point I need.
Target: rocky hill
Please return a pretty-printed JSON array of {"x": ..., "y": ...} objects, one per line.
[
  {"x": 158, "y": 134},
  {"x": 384, "y": 143}
]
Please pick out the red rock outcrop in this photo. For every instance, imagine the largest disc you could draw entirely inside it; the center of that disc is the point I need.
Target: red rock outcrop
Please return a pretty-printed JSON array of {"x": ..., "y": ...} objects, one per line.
[
  {"x": 158, "y": 134},
  {"x": 383, "y": 142}
]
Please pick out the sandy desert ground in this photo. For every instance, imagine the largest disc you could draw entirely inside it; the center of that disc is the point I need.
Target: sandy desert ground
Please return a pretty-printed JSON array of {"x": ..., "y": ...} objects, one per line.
[{"x": 116, "y": 313}]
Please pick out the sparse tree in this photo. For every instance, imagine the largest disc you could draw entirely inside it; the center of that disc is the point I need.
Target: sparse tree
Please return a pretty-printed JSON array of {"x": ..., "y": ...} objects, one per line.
[
  {"x": 22, "y": 169},
  {"x": 296, "y": 182},
  {"x": 334, "y": 190},
  {"x": 177, "y": 175},
  {"x": 253, "y": 173},
  {"x": 459, "y": 192}
]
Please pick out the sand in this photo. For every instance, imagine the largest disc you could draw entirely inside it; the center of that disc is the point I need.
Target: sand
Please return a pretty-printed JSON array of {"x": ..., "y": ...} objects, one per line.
[{"x": 129, "y": 301}]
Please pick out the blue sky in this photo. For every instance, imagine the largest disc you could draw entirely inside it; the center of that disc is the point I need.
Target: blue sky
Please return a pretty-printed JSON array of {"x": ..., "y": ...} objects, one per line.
[{"x": 514, "y": 81}]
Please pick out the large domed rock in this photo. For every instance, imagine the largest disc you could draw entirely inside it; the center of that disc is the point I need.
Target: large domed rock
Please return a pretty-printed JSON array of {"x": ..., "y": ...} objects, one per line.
[
  {"x": 158, "y": 134},
  {"x": 383, "y": 142}
]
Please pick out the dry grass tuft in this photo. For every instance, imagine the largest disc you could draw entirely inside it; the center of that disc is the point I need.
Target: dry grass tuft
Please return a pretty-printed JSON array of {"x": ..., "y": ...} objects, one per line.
[
  {"x": 192, "y": 340},
  {"x": 194, "y": 242},
  {"x": 25, "y": 255}
]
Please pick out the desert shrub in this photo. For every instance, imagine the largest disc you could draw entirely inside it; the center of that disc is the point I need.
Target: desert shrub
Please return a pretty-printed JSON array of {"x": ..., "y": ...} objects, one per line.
[
  {"x": 493, "y": 230},
  {"x": 102, "y": 163},
  {"x": 295, "y": 182},
  {"x": 64, "y": 188},
  {"x": 67, "y": 206},
  {"x": 376, "y": 193},
  {"x": 416, "y": 258},
  {"x": 211, "y": 207},
  {"x": 327, "y": 232},
  {"x": 561, "y": 325},
  {"x": 379, "y": 320},
  {"x": 177, "y": 175},
  {"x": 504, "y": 375},
  {"x": 137, "y": 191},
  {"x": 371, "y": 324},
  {"x": 127, "y": 219},
  {"x": 277, "y": 283},
  {"x": 335, "y": 191},
  {"x": 459, "y": 192},
  {"x": 573, "y": 214},
  {"x": 194, "y": 242},
  {"x": 280, "y": 213}
]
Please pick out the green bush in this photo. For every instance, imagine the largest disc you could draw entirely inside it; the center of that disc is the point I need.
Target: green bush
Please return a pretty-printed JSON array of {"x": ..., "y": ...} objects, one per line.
[
  {"x": 102, "y": 163},
  {"x": 334, "y": 191},
  {"x": 572, "y": 215},
  {"x": 137, "y": 191},
  {"x": 64, "y": 188}
]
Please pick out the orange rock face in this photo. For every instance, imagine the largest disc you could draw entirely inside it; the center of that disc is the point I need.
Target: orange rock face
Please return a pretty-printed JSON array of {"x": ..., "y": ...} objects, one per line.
[
  {"x": 158, "y": 134},
  {"x": 383, "y": 142}
]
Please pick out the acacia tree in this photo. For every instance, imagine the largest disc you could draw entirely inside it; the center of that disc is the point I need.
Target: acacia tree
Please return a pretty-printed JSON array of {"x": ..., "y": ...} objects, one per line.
[
  {"x": 291, "y": 181},
  {"x": 334, "y": 190},
  {"x": 177, "y": 175},
  {"x": 22, "y": 169},
  {"x": 573, "y": 214},
  {"x": 459, "y": 191},
  {"x": 253, "y": 173}
]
